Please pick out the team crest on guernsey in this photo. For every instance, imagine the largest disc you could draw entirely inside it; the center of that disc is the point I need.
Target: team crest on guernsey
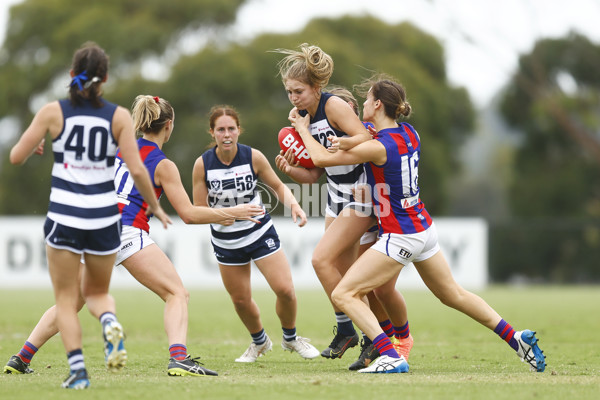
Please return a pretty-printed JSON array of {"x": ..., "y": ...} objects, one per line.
[{"x": 215, "y": 185}]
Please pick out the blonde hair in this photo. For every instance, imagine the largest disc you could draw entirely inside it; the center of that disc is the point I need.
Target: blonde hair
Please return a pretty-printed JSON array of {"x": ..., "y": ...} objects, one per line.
[
  {"x": 310, "y": 65},
  {"x": 150, "y": 113}
]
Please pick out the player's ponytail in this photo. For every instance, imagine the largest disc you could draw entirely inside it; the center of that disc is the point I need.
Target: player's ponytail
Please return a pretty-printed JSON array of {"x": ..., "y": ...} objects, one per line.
[
  {"x": 389, "y": 92},
  {"x": 90, "y": 67},
  {"x": 150, "y": 113}
]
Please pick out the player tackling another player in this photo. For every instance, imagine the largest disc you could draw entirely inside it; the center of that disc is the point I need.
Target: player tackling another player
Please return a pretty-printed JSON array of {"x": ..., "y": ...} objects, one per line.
[
  {"x": 335, "y": 124},
  {"x": 407, "y": 233},
  {"x": 85, "y": 129}
]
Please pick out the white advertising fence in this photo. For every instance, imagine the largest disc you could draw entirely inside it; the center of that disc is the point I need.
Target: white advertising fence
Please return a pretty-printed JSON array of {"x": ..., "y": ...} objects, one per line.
[{"x": 23, "y": 264}]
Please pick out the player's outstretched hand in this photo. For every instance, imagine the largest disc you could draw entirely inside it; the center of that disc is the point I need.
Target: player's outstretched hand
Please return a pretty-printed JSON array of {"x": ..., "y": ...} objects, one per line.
[{"x": 242, "y": 212}]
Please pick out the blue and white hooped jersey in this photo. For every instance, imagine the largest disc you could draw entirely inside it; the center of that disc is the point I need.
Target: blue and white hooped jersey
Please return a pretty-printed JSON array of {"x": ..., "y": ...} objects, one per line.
[
  {"x": 342, "y": 178},
  {"x": 83, "y": 192},
  {"x": 228, "y": 186}
]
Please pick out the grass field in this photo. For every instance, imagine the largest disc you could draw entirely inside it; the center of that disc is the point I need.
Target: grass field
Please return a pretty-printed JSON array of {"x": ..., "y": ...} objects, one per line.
[{"x": 453, "y": 357}]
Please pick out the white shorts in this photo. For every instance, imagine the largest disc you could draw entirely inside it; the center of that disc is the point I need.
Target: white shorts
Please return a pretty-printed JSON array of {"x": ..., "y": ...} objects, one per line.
[
  {"x": 132, "y": 241},
  {"x": 369, "y": 236},
  {"x": 407, "y": 248}
]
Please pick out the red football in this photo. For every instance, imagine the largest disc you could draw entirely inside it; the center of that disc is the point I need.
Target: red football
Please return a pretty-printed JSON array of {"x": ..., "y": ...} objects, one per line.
[{"x": 289, "y": 138}]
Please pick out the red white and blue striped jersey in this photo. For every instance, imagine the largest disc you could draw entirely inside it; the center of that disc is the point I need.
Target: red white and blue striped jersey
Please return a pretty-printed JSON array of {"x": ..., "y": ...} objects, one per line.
[
  {"x": 395, "y": 184},
  {"x": 82, "y": 193},
  {"x": 131, "y": 203}
]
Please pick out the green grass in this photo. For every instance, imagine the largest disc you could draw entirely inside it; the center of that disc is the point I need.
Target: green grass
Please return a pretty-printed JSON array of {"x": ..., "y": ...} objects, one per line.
[{"x": 453, "y": 357}]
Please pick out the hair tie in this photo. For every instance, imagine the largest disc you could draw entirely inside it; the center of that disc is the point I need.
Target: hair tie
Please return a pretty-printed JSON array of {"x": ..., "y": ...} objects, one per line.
[
  {"x": 91, "y": 82},
  {"x": 78, "y": 79},
  {"x": 156, "y": 99}
]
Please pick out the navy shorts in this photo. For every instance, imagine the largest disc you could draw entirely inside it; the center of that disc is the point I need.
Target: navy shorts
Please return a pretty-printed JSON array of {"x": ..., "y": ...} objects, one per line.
[
  {"x": 98, "y": 241},
  {"x": 261, "y": 248}
]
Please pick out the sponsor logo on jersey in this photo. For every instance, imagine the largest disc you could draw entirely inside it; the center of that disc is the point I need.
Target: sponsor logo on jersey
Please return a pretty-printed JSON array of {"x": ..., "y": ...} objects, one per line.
[{"x": 406, "y": 203}]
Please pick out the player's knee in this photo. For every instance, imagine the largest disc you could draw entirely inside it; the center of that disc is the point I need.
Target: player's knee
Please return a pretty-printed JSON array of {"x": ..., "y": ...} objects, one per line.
[
  {"x": 316, "y": 261},
  {"x": 321, "y": 263},
  {"x": 340, "y": 297},
  {"x": 240, "y": 302},
  {"x": 177, "y": 293},
  {"x": 286, "y": 294}
]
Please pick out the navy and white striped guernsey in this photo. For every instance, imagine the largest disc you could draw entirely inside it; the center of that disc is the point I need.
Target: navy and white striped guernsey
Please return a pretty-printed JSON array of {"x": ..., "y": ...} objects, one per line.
[
  {"x": 83, "y": 191},
  {"x": 342, "y": 178},
  {"x": 228, "y": 186}
]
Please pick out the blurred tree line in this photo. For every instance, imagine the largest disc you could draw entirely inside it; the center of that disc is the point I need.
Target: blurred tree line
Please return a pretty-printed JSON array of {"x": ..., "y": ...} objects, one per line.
[
  {"x": 555, "y": 175},
  {"x": 553, "y": 100}
]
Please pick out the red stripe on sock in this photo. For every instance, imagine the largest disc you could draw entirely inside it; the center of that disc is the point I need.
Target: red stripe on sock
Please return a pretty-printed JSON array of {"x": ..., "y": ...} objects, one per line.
[
  {"x": 23, "y": 358},
  {"x": 386, "y": 348},
  {"x": 383, "y": 344},
  {"x": 178, "y": 352},
  {"x": 29, "y": 349},
  {"x": 387, "y": 328},
  {"x": 509, "y": 335},
  {"x": 403, "y": 333}
]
